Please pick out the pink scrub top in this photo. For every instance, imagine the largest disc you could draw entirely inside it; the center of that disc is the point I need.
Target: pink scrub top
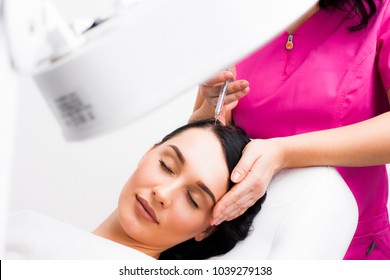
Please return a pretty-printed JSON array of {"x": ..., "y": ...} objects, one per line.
[{"x": 330, "y": 78}]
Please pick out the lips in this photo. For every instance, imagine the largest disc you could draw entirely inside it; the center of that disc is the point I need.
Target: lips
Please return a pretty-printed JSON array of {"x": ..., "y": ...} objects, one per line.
[{"x": 148, "y": 210}]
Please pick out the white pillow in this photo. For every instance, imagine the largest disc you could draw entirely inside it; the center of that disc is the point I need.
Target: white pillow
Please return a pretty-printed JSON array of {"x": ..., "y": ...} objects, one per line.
[{"x": 309, "y": 213}]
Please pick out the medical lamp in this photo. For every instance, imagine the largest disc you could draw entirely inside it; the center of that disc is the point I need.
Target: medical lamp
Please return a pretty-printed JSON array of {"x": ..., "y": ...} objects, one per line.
[{"x": 139, "y": 58}]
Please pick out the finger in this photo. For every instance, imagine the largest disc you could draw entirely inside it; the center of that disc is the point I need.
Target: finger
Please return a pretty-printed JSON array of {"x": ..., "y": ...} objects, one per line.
[
  {"x": 231, "y": 205},
  {"x": 239, "y": 197},
  {"x": 233, "y": 210},
  {"x": 234, "y": 96},
  {"x": 245, "y": 164},
  {"x": 246, "y": 193},
  {"x": 222, "y": 209},
  {"x": 234, "y": 92},
  {"x": 237, "y": 86},
  {"x": 219, "y": 78},
  {"x": 211, "y": 94},
  {"x": 238, "y": 211},
  {"x": 234, "y": 71},
  {"x": 235, "y": 214},
  {"x": 213, "y": 101}
]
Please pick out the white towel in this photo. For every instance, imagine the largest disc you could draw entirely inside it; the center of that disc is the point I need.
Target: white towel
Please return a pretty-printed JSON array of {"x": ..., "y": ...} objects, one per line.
[{"x": 31, "y": 235}]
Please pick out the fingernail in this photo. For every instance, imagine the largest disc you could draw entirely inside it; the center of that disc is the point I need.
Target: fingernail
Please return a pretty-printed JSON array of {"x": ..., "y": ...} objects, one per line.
[
  {"x": 236, "y": 176},
  {"x": 244, "y": 84},
  {"x": 246, "y": 91},
  {"x": 228, "y": 75}
]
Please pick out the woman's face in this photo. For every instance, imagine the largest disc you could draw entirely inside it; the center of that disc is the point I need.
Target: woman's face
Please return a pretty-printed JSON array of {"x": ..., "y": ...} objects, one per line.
[{"x": 170, "y": 196}]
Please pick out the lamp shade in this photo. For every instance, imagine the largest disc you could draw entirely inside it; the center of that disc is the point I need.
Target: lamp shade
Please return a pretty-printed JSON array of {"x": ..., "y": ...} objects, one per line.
[{"x": 137, "y": 61}]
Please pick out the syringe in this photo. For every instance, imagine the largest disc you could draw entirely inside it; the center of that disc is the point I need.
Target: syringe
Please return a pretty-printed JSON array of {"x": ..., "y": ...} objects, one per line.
[{"x": 221, "y": 98}]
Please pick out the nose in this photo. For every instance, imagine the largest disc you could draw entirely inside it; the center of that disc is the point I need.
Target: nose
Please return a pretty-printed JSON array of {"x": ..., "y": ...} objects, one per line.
[{"x": 164, "y": 194}]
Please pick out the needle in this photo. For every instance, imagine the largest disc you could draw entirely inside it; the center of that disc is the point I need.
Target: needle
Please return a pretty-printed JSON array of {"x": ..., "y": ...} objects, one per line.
[{"x": 221, "y": 98}]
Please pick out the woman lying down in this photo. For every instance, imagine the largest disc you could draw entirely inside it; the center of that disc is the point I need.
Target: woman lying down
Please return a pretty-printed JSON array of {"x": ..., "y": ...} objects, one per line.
[{"x": 165, "y": 207}]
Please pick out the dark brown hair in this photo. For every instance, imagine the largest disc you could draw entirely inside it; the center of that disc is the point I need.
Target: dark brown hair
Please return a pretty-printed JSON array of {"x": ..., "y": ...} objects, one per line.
[{"x": 363, "y": 9}]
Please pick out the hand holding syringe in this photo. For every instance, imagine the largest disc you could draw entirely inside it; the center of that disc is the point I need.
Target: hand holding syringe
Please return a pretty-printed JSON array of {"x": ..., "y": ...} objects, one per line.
[{"x": 209, "y": 94}]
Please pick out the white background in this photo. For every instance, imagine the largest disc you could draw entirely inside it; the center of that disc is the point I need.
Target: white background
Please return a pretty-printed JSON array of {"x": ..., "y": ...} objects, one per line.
[{"x": 79, "y": 182}]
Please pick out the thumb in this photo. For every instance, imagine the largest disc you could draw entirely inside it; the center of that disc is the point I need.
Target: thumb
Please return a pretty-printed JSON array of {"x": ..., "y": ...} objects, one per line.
[{"x": 242, "y": 168}]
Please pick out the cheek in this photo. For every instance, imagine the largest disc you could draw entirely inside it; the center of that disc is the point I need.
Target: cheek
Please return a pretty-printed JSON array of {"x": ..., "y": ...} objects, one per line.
[
  {"x": 188, "y": 222},
  {"x": 143, "y": 177}
]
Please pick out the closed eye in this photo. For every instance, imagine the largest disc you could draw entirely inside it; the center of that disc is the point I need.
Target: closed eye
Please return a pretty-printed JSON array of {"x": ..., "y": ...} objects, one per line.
[
  {"x": 191, "y": 200},
  {"x": 166, "y": 167}
]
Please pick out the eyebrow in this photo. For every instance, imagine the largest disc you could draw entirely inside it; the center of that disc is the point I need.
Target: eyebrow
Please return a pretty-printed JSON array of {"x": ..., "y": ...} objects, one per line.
[
  {"x": 206, "y": 190},
  {"x": 200, "y": 184},
  {"x": 178, "y": 153}
]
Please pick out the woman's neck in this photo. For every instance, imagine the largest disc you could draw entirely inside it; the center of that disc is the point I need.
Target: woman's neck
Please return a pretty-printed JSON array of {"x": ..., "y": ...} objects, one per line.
[
  {"x": 311, "y": 12},
  {"x": 111, "y": 229}
]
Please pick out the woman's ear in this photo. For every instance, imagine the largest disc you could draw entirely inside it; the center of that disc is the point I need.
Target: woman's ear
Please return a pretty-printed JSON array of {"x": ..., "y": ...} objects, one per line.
[{"x": 206, "y": 233}]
